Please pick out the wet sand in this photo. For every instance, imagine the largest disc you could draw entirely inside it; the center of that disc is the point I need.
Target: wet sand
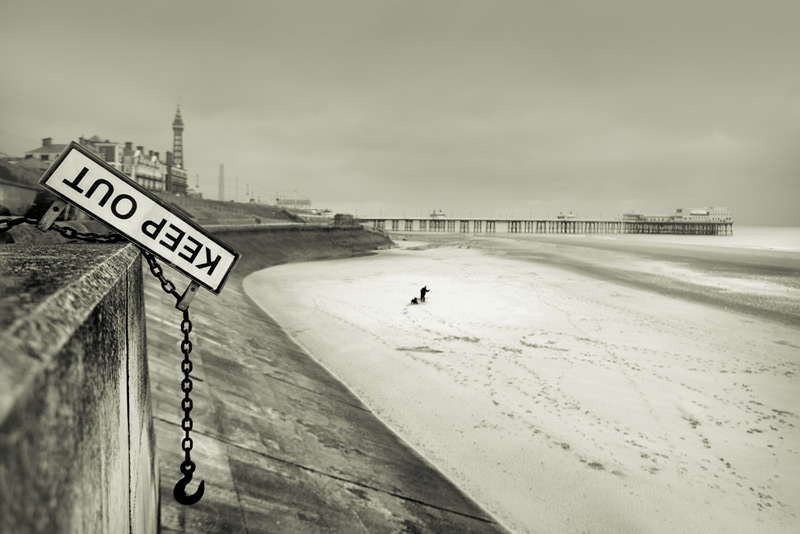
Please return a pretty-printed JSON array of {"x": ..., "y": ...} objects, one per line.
[{"x": 573, "y": 385}]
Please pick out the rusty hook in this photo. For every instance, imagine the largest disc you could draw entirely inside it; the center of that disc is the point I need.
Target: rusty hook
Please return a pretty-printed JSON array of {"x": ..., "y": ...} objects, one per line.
[{"x": 179, "y": 492}]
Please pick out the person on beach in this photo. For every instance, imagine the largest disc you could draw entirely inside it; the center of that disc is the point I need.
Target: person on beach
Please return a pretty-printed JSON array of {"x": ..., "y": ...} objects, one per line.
[
  {"x": 422, "y": 293},
  {"x": 414, "y": 301}
]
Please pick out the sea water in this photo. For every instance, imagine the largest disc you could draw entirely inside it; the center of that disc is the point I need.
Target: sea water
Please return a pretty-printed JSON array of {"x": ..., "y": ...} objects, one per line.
[{"x": 779, "y": 238}]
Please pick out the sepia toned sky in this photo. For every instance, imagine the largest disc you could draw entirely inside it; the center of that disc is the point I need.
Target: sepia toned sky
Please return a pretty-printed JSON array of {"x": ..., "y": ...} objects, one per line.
[{"x": 530, "y": 107}]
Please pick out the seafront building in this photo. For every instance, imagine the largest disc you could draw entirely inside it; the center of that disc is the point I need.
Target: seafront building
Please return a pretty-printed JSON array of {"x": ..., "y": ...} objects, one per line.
[
  {"x": 46, "y": 154},
  {"x": 145, "y": 167},
  {"x": 41, "y": 158}
]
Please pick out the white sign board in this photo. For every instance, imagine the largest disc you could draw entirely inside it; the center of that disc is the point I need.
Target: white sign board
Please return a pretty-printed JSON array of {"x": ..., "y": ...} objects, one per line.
[{"x": 86, "y": 181}]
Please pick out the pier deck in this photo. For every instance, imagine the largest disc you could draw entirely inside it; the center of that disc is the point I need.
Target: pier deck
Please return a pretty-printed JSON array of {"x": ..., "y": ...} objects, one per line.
[{"x": 547, "y": 226}]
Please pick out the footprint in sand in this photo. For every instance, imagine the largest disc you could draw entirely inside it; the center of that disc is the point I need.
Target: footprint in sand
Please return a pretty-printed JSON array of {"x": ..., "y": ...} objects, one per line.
[{"x": 419, "y": 349}]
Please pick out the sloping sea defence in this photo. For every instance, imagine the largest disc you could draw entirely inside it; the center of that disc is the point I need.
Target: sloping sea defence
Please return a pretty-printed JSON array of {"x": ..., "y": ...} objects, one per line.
[
  {"x": 574, "y": 383},
  {"x": 282, "y": 445}
]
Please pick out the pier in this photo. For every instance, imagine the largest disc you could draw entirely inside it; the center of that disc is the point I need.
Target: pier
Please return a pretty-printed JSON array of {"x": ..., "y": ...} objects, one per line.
[{"x": 547, "y": 226}]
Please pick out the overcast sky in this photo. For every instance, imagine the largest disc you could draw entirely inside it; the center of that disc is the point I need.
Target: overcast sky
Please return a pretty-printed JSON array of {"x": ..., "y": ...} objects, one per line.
[{"x": 529, "y": 107}]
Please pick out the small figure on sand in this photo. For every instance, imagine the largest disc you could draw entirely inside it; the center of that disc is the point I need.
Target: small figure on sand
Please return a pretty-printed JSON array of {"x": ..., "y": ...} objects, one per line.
[
  {"x": 422, "y": 293},
  {"x": 414, "y": 301}
]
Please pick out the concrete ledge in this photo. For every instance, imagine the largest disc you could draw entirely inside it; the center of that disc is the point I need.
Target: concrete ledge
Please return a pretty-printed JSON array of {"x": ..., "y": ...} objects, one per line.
[{"x": 77, "y": 449}]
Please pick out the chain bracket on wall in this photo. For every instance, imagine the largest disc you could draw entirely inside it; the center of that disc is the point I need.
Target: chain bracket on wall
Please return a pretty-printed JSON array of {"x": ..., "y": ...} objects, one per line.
[{"x": 182, "y": 303}]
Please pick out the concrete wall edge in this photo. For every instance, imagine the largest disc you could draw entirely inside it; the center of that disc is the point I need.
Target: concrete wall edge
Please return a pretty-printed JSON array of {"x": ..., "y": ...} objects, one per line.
[{"x": 33, "y": 341}]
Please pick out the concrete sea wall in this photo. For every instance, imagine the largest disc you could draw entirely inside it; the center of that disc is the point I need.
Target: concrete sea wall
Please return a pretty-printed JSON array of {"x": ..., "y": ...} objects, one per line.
[{"x": 77, "y": 443}]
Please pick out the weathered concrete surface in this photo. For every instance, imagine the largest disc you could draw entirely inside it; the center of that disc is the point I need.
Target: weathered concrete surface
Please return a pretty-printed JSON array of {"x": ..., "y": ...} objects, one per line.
[
  {"x": 283, "y": 447},
  {"x": 77, "y": 448}
]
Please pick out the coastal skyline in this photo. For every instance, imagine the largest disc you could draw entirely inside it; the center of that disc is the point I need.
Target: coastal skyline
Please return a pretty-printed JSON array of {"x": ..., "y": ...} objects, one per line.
[{"x": 401, "y": 108}]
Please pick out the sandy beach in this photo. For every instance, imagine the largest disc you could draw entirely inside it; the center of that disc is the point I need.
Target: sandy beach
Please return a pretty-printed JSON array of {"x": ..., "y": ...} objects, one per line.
[{"x": 573, "y": 385}]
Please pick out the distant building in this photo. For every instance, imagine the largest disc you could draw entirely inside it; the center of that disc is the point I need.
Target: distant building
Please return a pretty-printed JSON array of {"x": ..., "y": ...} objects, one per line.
[
  {"x": 111, "y": 151},
  {"x": 641, "y": 217},
  {"x": 177, "y": 178},
  {"x": 292, "y": 201},
  {"x": 145, "y": 168},
  {"x": 41, "y": 158},
  {"x": 48, "y": 152},
  {"x": 712, "y": 214},
  {"x": 709, "y": 214}
]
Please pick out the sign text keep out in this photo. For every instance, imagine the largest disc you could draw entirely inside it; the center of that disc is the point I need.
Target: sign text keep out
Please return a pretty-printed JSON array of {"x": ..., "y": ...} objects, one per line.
[{"x": 82, "y": 179}]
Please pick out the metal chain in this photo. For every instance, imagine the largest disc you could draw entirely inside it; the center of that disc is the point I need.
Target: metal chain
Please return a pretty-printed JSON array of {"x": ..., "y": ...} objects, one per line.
[
  {"x": 71, "y": 233},
  {"x": 186, "y": 386},
  {"x": 66, "y": 231},
  {"x": 8, "y": 224}
]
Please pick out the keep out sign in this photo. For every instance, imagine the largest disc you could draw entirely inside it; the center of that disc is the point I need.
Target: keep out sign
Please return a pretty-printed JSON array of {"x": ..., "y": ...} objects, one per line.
[{"x": 86, "y": 181}]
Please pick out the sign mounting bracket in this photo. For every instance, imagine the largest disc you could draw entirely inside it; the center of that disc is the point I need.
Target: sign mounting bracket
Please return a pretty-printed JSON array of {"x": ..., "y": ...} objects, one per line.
[
  {"x": 188, "y": 295},
  {"x": 50, "y": 216}
]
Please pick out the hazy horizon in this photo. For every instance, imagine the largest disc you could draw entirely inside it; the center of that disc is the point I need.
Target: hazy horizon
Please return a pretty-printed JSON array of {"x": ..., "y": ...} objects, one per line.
[{"x": 404, "y": 107}]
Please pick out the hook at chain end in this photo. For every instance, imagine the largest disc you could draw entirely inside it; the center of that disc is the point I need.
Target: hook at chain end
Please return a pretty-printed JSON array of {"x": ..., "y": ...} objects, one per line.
[{"x": 179, "y": 492}]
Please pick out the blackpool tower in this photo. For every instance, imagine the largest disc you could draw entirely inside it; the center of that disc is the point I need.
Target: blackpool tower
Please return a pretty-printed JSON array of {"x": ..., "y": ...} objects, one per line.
[{"x": 177, "y": 140}]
